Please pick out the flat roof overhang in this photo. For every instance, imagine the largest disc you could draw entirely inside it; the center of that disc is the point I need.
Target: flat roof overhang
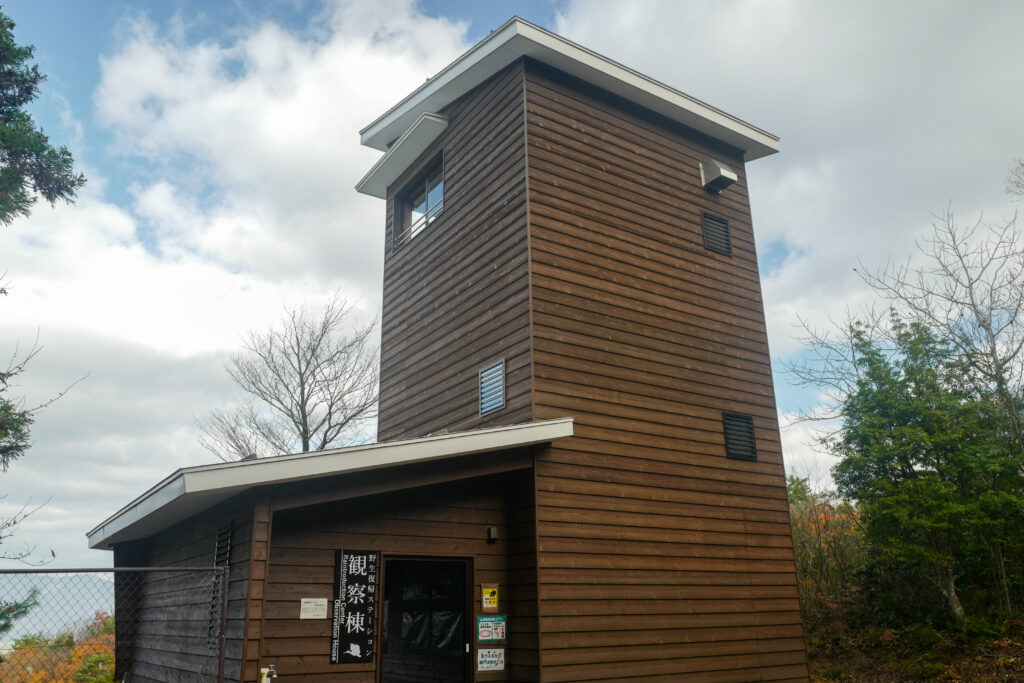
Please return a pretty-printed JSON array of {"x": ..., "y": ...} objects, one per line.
[
  {"x": 400, "y": 155},
  {"x": 193, "y": 489},
  {"x": 518, "y": 38}
]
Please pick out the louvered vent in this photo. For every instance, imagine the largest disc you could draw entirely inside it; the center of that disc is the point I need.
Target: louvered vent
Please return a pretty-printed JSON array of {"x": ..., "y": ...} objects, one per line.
[
  {"x": 716, "y": 234},
  {"x": 221, "y": 558},
  {"x": 222, "y": 553},
  {"x": 739, "y": 436},
  {"x": 492, "y": 388}
]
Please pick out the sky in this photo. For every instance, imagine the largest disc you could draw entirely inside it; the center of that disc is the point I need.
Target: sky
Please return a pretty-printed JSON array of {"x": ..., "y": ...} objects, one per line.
[{"x": 220, "y": 142}]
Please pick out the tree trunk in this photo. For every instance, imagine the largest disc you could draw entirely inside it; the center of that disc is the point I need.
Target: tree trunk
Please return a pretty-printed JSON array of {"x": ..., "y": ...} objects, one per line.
[
  {"x": 999, "y": 567},
  {"x": 946, "y": 584}
]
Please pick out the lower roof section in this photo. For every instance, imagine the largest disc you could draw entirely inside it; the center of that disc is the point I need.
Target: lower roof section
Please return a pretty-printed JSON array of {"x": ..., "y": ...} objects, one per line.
[{"x": 193, "y": 489}]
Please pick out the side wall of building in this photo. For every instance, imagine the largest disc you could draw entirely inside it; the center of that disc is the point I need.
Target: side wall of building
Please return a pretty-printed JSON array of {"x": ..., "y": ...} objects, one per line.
[
  {"x": 163, "y": 618},
  {"x": 659, "y": 557},
  {"x": 443, "y": 520},
  {"x": 456, "y": 294}
]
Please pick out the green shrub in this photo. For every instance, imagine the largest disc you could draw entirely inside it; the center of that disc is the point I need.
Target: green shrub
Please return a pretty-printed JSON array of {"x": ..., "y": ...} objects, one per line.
[
  {"x": 920, "y": 637},
  {"x": 927, "y": 670},
  {"x": 833, "y": 673}
]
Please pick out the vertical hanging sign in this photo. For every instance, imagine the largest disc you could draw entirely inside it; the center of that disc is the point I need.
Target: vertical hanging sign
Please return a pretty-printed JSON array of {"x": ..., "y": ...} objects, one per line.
[{"x": 355, "y": 606}]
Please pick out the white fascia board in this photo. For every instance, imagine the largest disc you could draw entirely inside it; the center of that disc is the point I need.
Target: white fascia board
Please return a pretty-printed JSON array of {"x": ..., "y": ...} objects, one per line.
[
  {"x": 161, "y": 495},
  {"x": 448, "y": 85},
  {"x": 518, "y": 38},
  {"x": 402, "y": 154},
  {"x": 176, "y": 496}
]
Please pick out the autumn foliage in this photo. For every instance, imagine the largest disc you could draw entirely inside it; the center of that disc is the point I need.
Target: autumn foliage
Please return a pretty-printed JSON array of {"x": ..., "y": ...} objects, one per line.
[{"x": 86, "y": 656}]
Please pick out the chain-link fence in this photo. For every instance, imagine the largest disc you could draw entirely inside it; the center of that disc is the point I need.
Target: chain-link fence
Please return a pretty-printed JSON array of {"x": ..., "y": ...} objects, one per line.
[{"x": 107, "y": 625}]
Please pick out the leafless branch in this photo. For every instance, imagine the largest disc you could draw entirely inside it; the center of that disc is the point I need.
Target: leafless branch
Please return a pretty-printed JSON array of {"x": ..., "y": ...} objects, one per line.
[
  {"x": 1015, "y": 179},
  {"x": 9, "y": 525},
  {"x": 312, "y": 382},
  {"x": 970, "y": 291},
  {"x": 18, "y": 361},
  {"x": 829, "y": 361}
]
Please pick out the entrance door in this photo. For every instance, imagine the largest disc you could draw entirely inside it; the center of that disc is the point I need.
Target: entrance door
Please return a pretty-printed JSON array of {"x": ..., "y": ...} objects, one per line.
[{"x": 425, "y": 629}]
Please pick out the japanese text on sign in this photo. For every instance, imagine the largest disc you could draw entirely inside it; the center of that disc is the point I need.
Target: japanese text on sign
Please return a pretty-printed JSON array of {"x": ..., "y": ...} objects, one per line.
[
  {"x": 313, "y": 608},
  {"x": 355, "y": 605},
  {"x": 490, "y": 659},
  {"x": 489, "y": 597},
  {"x": 490, "y": 628}
]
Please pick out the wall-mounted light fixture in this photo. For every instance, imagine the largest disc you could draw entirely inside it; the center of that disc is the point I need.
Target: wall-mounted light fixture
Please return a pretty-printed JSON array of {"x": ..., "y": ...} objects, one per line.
[
  {"x": 716, "y": 176},
  {"x": 492, "y": 534}
]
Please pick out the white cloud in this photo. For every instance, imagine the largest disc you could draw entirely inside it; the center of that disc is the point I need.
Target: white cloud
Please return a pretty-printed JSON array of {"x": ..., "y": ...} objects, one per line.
[
  {"x": 258, "y": 136},
  {"x": 247, "y": 149},
  {"x": 886, "y": 113}
]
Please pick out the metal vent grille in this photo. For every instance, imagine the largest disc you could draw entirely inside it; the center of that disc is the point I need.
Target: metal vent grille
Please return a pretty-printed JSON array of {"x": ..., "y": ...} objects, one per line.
[
  {"x": 739, "y": 436},
  {"x": 222, "y": 553},
  {"x": 716, "y": 234},
  {"x": 492, "y": 388},
  {"x": 221, "y": 558}
]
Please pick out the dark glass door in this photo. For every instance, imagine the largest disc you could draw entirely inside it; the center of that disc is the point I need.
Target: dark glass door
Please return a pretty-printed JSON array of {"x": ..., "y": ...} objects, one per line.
[{"x": 424, "y": 621}]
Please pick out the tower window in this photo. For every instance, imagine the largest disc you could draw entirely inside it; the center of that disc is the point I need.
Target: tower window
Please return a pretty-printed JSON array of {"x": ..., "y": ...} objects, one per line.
[{"x": 421, "y": 202}]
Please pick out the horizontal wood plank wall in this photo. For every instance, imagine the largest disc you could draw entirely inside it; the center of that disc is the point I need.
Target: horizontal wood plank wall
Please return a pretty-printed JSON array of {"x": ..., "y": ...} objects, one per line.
[
  {"x": 659, "y": 558},
  {"x": 456, "y": 294},
  {"x": 171, "y": 642},
  {"x": 446, "y": 520}
]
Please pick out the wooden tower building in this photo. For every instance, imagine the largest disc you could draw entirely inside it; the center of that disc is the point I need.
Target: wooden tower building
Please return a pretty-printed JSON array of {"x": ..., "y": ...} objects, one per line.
[{"x": 578, "y": 473}]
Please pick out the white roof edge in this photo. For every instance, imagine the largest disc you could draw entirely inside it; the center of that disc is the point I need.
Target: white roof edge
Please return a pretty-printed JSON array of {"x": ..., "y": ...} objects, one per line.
[
  {"x": 442, "y": 78},
  {"x": 521, "y": 38},
  {"x": 235, "y": 477},
  {"x": 400, "y": 155}
]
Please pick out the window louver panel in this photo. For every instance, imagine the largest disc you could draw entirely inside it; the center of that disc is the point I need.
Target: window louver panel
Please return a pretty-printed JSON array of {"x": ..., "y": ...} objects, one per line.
[
  {"x": 221, "y": 558},
  {"x": 492, "y": 388},
  {"x": 716, "y": 234},
  {"x": 222, "y": 553},
  {"x": 739, "y": 436}
]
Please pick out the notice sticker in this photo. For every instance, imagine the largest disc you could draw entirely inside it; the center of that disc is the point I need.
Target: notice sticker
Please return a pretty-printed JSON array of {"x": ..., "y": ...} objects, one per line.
[
  {"x": 490, "y": 628},
  {"x": 313, "y": 608},
  {"x": 490, "y": 659},
  {"x": 489, "y": 597}
]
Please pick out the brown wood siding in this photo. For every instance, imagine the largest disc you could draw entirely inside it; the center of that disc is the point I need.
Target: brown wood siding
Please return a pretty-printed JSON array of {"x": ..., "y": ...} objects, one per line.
[
  {"x": 171, "y": 643},
  {"x": 444, "y": 520},
  {"x": 456, "y": 295},
  {"x": 659, "y": 559}
]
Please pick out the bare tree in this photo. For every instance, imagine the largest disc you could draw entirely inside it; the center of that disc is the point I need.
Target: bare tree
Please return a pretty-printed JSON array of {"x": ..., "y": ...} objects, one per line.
[
  {"x": 830, "y": 363},
  {"x": 15, "y": 424},
  {"x": 312, "y": 382},
  {"x": 968, "y": 288},
  {"x": 1015, "y": 180},
  {"x": 970, "y": 291}
]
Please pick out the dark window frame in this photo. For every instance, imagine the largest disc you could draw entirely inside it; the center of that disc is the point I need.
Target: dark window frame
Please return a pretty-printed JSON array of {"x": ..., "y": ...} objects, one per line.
[{"x": 421, "y": 202}]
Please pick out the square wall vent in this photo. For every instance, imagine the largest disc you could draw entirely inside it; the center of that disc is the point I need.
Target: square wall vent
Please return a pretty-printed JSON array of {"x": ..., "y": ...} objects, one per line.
[{"x": 716, "y": 234}]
